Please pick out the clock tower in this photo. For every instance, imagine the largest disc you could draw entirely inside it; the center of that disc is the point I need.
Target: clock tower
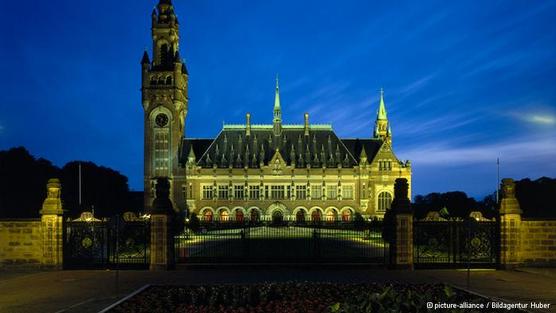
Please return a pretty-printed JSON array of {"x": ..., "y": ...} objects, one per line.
[{"x": 164, "y": 99}]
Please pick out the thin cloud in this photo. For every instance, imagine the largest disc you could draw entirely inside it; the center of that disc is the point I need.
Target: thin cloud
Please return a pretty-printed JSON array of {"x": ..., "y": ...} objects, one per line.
[
  {"x": 541, "y": 119},
  {"x": 328, "y": 94},
  {"x": 437, "y": 125},
  {"x": 416, "y": 85},
  {"x": 538, "y": 118},
  {"x": 511, "y": 151}
]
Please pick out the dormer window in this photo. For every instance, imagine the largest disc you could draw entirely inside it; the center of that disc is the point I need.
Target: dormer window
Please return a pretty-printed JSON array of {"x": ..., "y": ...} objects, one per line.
[{"x": 385, "y": 165}]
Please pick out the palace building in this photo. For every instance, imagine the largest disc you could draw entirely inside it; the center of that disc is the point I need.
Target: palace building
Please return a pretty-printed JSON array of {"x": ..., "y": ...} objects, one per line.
[{"x": 250, "y": 171}]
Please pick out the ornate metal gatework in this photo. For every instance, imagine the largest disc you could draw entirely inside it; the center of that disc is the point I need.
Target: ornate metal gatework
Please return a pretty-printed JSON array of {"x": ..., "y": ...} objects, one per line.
[
  {"x": 118, "y": 242},
  {"x": 456, "y": 243},
  {"x": 282, "y": 242}
]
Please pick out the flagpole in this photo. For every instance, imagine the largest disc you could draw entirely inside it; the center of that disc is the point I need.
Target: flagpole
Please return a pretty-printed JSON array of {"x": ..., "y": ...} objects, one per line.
[
  {"x": 80, "y": 185},
  {"x": 497, "y": 179}
]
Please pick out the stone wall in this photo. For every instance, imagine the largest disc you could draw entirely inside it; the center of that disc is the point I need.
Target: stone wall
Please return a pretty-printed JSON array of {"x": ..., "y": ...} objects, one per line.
[
  {"x": 538, "y": 242},
  {"x": 21, "y": 242}
]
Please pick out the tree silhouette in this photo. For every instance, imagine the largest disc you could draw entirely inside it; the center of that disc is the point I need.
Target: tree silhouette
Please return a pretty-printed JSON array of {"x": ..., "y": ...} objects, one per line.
[{"x": 23, "y": 187}]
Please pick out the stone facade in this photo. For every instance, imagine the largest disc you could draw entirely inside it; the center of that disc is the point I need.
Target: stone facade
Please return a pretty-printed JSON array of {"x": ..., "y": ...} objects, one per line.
[
  {"x": 35, "y": 242},
  {"x": 258, "y": 171},
  {"x": 21, "y": 242},
  {"x": 538, "y": 242},
  {"x": 524, "y": 242}
]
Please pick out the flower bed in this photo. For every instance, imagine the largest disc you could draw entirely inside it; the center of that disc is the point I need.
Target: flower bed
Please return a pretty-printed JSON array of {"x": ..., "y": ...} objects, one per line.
[{"x": 297, "y": 297}]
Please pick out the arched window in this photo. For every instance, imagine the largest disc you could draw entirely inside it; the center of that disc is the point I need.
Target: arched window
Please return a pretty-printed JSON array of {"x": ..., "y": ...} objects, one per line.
[
  {"x": 316, "y": 216},
  {"x": 384, "y": 201},
  {"x": 300, "y": 216},
  {"x": 277, "y": 217},
  {"x": 254, "y": 215},
  {"x": 224, "y": 216},
  {"x": 239, "y": 216},
  {"x": 169, "y": 80},
  {"x": 331, "y": 216},
  {"x": 346, "y": 216},
  {"x": 164, "y": 54},
  {"x": 207, "y": 216}
]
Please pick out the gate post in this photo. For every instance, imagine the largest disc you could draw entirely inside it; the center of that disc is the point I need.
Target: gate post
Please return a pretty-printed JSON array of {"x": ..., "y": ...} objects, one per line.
[
  {"x": 510, "y": 225},
  {"x": 401, "y": 247},
  {"x": 162, "y": 234},
  {"x": 52, "y": 226}
]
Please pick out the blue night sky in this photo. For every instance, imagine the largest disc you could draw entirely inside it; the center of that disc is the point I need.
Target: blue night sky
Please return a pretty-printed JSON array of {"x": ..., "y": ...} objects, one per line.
[{"x": 465, "y": 82}]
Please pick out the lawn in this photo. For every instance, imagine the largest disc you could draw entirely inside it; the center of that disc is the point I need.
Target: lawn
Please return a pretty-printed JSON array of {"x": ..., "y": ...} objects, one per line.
[{"x": 282, "y": 243}]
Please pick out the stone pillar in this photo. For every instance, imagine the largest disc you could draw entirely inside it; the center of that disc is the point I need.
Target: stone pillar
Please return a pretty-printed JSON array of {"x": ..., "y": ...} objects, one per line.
[
  {"x": 401, "y": 246},
  {"x": 162, "y": 235},
  {"x": 52, "y": 226},
  {"x": 510, "y": 225}
]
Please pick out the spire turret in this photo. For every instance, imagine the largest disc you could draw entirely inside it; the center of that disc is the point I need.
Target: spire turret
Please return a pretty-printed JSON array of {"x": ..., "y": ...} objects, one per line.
[
  {"x": 382, "y": 107},
  {"x": 145, "y": 59},
  {"x": 382, "y": 127},
  {"x": 277, "y": 120}
]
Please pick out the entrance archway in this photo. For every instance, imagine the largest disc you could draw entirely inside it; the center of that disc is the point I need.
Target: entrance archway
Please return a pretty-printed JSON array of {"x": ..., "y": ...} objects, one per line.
[
  {"x": 277, "y": 217},
  {"x": 300, "y": 216}
]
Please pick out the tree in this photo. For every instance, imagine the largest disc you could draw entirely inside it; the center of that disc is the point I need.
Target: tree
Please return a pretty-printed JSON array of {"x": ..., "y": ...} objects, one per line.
[
  {"x": 23, "y": 186},
  {"x": 537, "y": 198},
  {"x": 102, "y": 189},
  {"x": 23, "y": 183},
  {"x": 458, "y": 204}
]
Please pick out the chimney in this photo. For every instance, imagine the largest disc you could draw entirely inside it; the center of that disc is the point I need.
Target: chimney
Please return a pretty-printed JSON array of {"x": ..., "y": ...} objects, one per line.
[
  {"x": 247, "y": 124},
  {"x": 306, "y": 126}
]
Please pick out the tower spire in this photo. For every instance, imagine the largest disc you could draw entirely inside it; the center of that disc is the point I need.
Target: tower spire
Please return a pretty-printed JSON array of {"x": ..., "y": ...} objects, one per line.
[
  {"x": 277, "y": 121},
  {"x": 382, "y": 108},
  {"x": 382, "y": 126}
]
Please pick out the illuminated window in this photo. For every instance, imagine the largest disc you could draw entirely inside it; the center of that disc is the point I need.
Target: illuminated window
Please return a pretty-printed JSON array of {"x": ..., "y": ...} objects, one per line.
[
  {"x": 224, "y": 215},
  {"x": 238, "y": 192},
  {"x": 331, "y": 192},
  {"x": 346, "y": 216},
  {"x": 161, "y": 154},
  {"x": 277, "y": 192},
  {"x": 207, "y": 193},
  {"x": 239, "y": 215},
  {"x": 223, "y": 192},
  {"x": 254, "y": 192},
  {"x": 207, "y": 216},
  {"x": 331, "y": 216},
  {"x": 301, "y": 192},
  {"x": 384, "y": 201},
  {"x": 347, "y": 192},
  {"x": 316, "y": 192}
]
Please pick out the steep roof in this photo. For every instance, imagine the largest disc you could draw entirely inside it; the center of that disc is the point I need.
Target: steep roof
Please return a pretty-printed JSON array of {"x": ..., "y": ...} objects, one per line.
[
  {"x": 355, "y": 146},
  {"x": 233, "y": 147}
]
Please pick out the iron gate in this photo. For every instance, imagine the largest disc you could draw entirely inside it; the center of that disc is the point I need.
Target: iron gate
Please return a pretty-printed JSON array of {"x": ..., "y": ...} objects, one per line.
[
  {"x": 113, "y": 243},
  {"x": 455, "y": 244},
  {"x": 284, "y": 242}
]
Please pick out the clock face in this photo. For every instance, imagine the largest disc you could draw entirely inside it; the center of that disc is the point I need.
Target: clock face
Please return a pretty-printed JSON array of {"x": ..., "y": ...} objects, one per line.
[{"x": 161, "y": 120}]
